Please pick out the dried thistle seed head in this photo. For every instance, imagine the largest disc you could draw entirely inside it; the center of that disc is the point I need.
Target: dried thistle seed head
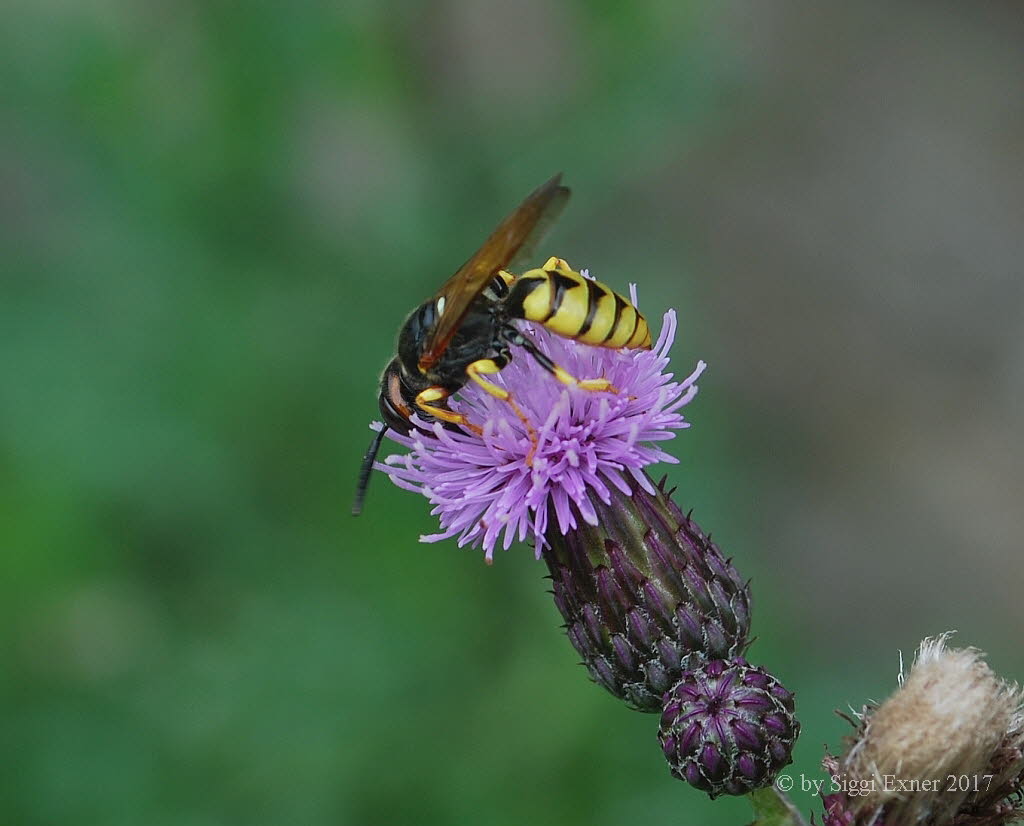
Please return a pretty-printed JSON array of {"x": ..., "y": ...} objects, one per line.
[
  {"x": 645, "y": 595},
  {"x": 728, "y": 727},
  {"x": 952, "y": 717}
]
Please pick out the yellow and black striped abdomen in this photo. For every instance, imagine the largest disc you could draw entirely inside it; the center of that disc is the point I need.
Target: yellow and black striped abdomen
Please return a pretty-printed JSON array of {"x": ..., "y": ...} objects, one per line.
[{"x": 570, "y": 305}]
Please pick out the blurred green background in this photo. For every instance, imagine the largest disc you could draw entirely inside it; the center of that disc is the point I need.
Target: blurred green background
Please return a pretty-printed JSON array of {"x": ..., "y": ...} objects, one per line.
[{"x": 213, "y": 218}]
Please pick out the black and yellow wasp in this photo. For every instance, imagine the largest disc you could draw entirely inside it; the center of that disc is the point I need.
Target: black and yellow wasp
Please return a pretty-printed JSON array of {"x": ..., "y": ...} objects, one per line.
[{"x": 466, "y": 331}]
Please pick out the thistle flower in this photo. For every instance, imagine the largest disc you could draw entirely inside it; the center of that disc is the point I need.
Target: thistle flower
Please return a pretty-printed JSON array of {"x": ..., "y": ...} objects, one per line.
[
  {"x": 500, "y": 487},
  {"x": 946, "y": 748},
  {"x": 658, "y": 614},
  {"x": 643, "y": 592},
  {"x": 728, "y": 727}
]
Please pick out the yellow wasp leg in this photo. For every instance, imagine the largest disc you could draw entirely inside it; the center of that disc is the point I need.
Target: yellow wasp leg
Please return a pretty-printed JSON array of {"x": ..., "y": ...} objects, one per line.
[
  {"x": 595, "y": 385},
  {"x": 560, "y": 373},
  {"x": 436, "y": 394},
  {"x": 476, "y": 371}
]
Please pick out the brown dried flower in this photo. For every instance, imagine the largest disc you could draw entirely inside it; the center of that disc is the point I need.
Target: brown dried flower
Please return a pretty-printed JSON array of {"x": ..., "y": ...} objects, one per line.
[{"x": 946, "y": 748}]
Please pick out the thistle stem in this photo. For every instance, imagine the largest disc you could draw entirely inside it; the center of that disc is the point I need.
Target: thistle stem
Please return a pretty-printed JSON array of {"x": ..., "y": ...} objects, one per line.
[{"x": 773, "y": 808}]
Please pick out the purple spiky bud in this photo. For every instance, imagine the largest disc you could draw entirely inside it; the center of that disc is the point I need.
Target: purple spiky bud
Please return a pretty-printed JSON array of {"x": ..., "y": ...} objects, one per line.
[
  {"x": 728, "y": 727},
  {"x": 646, "y": 595}
]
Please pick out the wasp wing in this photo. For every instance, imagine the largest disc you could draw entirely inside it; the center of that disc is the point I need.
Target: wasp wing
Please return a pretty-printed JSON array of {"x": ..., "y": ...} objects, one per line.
[{"x": 513, "y": 237}]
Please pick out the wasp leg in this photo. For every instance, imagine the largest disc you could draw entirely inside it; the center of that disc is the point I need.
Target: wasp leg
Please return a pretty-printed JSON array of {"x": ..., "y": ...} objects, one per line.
[
  {"x": 560, "y": 373},
  {"x": 436, "y": 393},
  {"x": 477, "y": 370}
]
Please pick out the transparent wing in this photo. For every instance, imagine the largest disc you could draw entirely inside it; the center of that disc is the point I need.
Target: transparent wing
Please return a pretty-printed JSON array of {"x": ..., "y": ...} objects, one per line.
[{"x": 514, "y": 237}]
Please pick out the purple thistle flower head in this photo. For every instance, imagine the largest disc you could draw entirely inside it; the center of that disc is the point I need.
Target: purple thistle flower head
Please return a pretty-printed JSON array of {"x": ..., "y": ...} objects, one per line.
[{"x": 495, "y": 488}]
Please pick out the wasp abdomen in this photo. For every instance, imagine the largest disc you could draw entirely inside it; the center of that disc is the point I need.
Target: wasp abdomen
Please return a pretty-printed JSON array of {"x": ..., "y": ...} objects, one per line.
[{"x": 570, "y": 305}]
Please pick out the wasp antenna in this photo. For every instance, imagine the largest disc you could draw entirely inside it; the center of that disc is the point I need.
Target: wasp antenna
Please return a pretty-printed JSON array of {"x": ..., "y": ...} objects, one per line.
[{"x": 365, "y": 469}]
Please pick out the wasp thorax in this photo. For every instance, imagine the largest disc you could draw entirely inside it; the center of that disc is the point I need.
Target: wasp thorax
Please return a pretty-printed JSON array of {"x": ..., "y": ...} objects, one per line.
[{"x": 414, "y": 334}]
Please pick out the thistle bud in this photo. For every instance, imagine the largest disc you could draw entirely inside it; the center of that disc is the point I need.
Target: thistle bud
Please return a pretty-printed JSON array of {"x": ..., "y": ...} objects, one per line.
[
  {"x": 646, "y": 596},
  {"x": 728, "y": 727}
]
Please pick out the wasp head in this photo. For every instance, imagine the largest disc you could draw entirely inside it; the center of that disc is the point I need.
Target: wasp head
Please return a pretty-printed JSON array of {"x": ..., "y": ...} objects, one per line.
[{"x": 395, "y": 398}]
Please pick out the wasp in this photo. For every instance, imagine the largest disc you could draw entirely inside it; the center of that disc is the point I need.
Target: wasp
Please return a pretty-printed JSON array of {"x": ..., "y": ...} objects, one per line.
[{"x": 465, "y": 332}]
